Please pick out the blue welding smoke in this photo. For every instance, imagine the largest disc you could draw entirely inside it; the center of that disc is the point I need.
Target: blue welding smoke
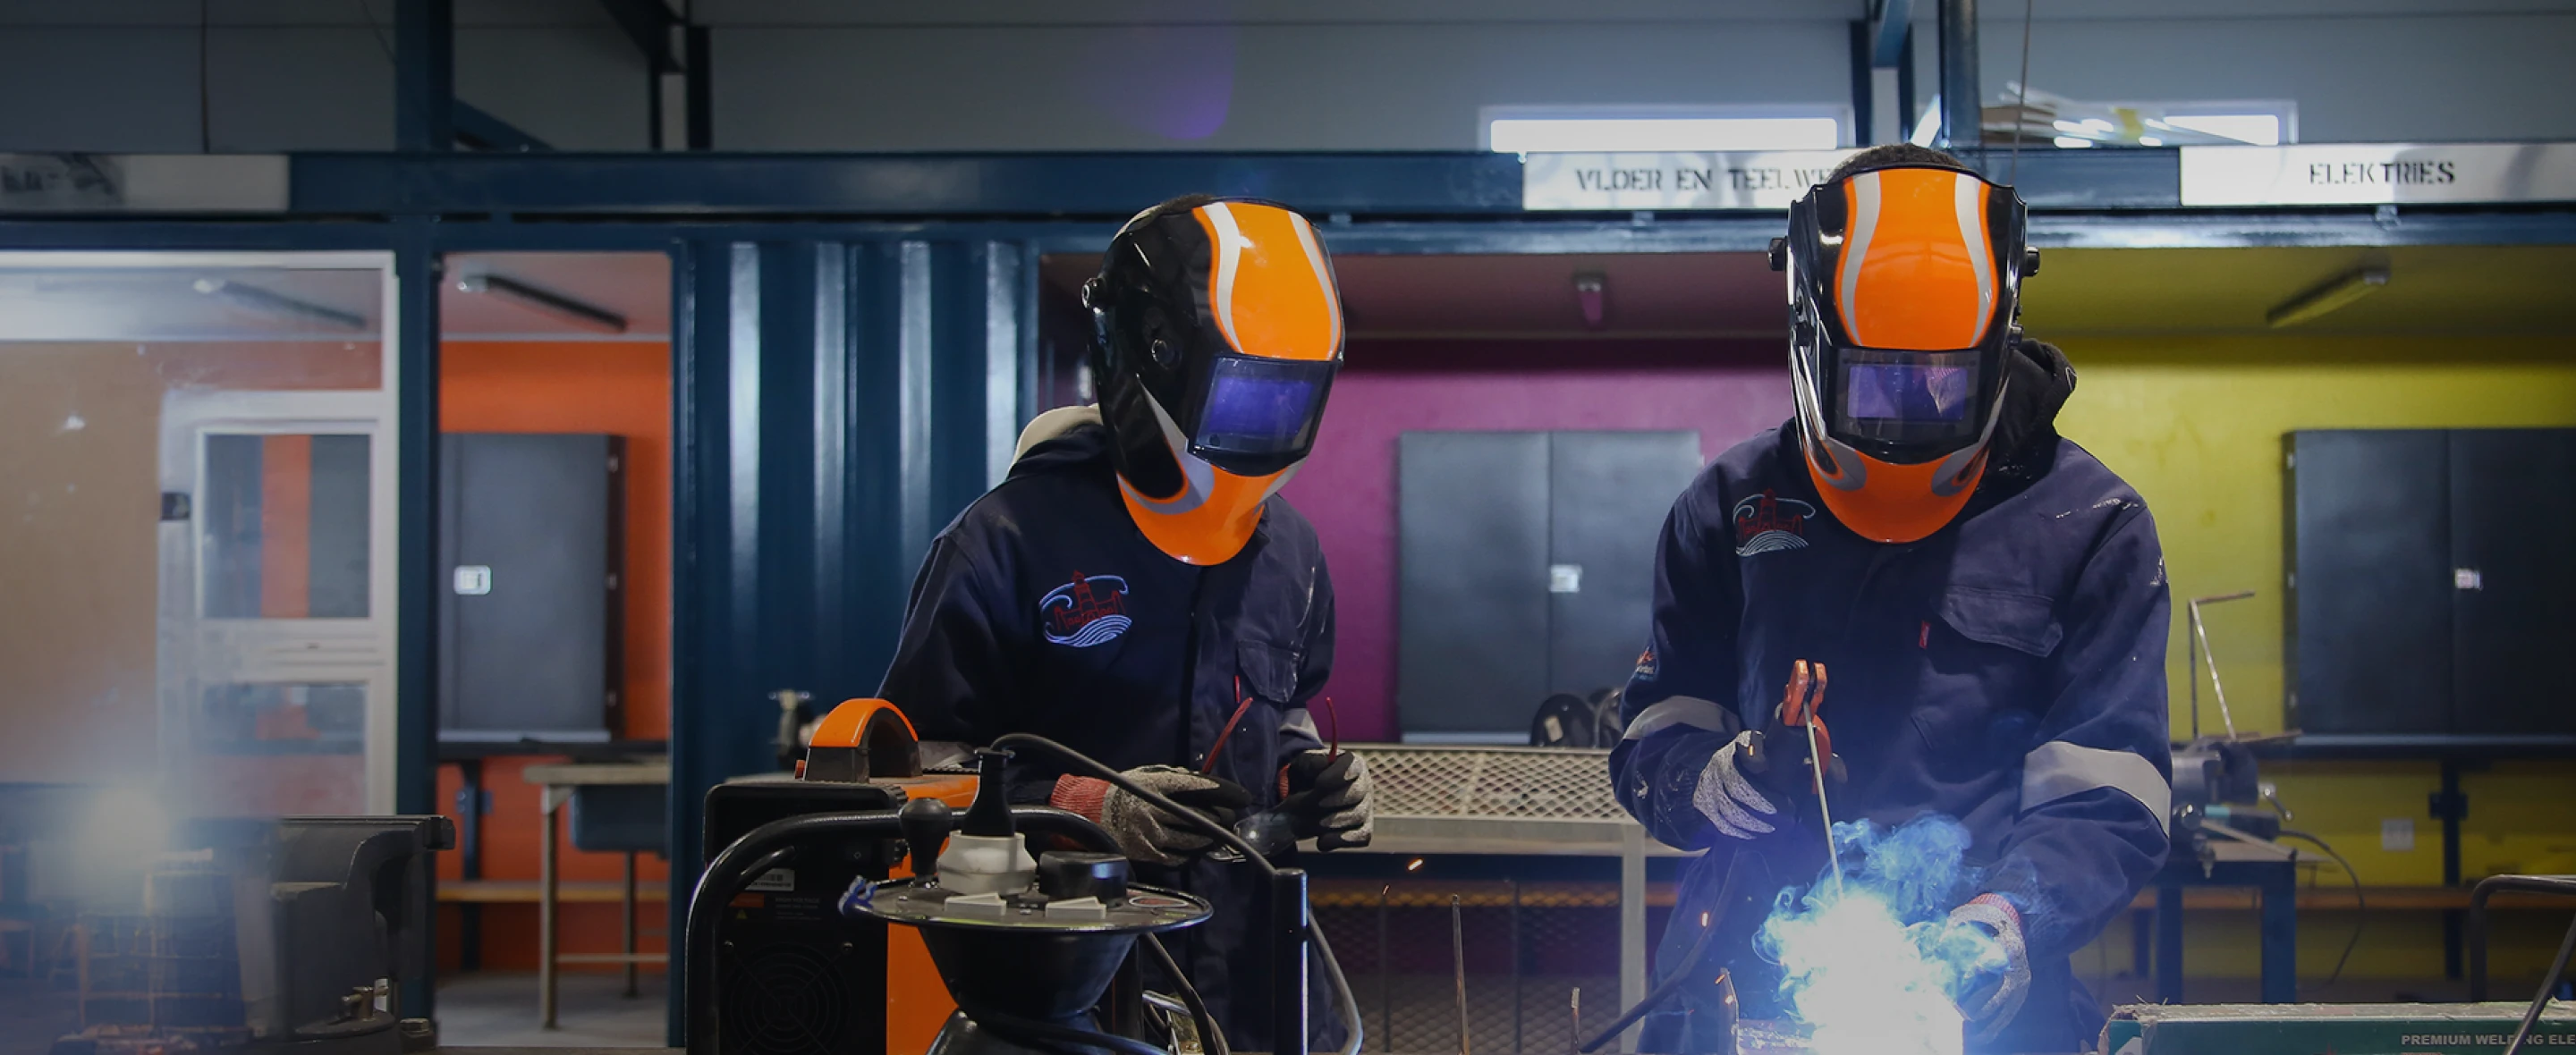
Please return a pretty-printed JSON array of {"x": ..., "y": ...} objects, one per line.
[{"x": 1872, "y": 965}]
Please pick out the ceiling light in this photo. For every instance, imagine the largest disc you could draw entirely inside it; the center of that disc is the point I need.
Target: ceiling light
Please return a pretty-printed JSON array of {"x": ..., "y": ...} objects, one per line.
[
  {"x": 2150, "y": 141},
  {"x": 270, "y": 302},
  {"x": 2334, "y": 294},
  {"x": 2072, "y": 143},
  {"x": 579, "y": 312},
  {"x": 1591, "y": 293}
]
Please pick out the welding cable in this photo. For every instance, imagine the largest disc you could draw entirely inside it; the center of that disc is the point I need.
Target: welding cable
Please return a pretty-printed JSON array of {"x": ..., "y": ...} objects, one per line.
[
  {"x": 2548, "y": 989},
  {"x": 1209, "y": 1036},
  {"x": 1199, "y": 822},
  {"x": 2360, "y": 905},
  {"x": 1216, "y": 750},
  {"x": 1681, "y": 976}
]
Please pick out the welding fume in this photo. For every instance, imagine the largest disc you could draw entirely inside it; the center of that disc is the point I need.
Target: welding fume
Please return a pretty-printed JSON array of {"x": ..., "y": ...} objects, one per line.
[{"x": 1906, "y": 862}]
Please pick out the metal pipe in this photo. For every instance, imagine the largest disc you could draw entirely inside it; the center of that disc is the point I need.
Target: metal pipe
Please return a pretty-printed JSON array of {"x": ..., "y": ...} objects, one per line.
[
  {"x": 1962, "y": 117},
  {"x": 1288, "y": 960},
  {"x": 1458, "y": 968},
  {"x": 1515, "y": 886},
  {"x": 1385, "y": 977}
]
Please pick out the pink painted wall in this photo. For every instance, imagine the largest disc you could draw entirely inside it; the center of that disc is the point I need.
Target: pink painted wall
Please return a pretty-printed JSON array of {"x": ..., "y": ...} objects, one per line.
[{"x": 1726, "y": 391}]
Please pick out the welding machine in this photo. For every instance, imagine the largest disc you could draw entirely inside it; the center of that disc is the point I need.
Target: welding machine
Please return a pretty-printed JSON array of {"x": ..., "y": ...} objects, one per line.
[{"x": 796, "y": 978}]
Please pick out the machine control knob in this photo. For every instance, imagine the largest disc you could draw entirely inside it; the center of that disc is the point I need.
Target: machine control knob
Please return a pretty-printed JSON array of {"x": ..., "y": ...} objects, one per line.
[
  {"x": 926, "y": 824},
  {"x": 1067, "y": 874}
]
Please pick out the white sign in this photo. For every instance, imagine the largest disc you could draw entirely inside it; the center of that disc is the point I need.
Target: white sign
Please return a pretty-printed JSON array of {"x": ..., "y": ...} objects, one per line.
[
  {"x": 776, "y": 879},
  {"x": 1649, "y": 182},
  {"x": 2378, "y": 174}
]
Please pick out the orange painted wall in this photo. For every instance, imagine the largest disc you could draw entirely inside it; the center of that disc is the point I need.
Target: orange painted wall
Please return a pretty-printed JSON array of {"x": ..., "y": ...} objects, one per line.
[{"x": 623, "y": 389}]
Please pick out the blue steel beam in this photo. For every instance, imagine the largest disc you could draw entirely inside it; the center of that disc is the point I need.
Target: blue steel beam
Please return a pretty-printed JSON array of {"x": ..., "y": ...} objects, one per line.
[
  {"x": 478, "y": 130},
  {"x": 648, "y": 24},
  {"x": 1890, "y": 28}
]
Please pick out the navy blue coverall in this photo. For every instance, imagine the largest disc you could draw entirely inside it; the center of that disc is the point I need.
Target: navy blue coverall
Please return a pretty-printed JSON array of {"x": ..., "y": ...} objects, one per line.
[
  {"x": 2007, "y": 671},
  {"x": 1043, "y": 609}
]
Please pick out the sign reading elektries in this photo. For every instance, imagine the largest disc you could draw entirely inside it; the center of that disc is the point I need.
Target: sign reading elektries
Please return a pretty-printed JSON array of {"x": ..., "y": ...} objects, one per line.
[
  {"x": 1646, "y": 182},
  {"x": 2379, "y": 174}
]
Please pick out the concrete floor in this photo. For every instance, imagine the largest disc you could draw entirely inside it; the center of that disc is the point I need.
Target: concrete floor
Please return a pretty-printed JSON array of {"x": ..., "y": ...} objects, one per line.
[
  {"x": 499, "y": 1009},
  {"x": 491, "y": 1009}
]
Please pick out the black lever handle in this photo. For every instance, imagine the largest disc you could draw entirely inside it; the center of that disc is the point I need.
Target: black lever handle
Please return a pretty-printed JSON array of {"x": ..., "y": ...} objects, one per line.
[{"x": 926, "y": 824}]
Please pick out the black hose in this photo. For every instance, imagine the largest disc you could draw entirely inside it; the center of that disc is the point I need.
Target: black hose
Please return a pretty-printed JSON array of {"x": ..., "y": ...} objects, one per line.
[
  {"x": 1681, "y": 976},
  {"x": 1341, "y": 986},
  {"x": 2360, "y": 905},
  {"x": 1069, "y": 1039},
  {"x": 2548, "y": 987},
  {"x": 1189, "y": 818},
  {"x": 1200, "y": 823},
  {"x": 1209, "y": 1036}
]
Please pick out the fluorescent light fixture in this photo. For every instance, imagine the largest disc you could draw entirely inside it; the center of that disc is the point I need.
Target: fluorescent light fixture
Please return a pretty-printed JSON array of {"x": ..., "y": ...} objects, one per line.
[
  {"x": 1547, "y": 135},
  {"x": 2098, "y": 124},
  {"x": 2073, "y": 143},
  {"x": 571, "y": 309},
  {"x": 2329, "y": 297},
  {"x": 2150, "y": 141},
  {"x": 2262, "y": 130},
  {"x": 272, "y": 303}
]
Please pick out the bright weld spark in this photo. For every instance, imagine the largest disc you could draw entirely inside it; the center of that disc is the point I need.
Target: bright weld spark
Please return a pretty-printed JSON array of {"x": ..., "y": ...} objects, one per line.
[{"x": 1870, "y": 967}]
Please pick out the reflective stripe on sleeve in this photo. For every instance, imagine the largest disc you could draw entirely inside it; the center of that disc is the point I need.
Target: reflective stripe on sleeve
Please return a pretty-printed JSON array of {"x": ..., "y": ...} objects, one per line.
[
  {"x": 1682, "y": 710},
  {"x": 2059, "y": 769}
]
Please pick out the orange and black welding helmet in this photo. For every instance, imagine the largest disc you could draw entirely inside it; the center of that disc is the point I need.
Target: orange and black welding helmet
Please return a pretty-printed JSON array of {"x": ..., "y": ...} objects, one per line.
[
  {"x": 1219, "y": 330},
  {"x": 1904, "y": 301}
]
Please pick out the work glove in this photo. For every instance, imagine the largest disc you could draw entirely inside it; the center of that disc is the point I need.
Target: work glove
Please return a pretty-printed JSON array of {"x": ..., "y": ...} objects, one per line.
[
  {"x": 1144, "y": 832},
  {"x": 1991, "y": 996},
  {"x": 1326, "y": 797},
  {"x": 1753, "y": 777}
]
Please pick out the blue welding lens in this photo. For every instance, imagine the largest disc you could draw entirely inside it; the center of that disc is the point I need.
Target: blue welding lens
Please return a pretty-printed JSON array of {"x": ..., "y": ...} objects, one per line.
[{"x": 1259, "y": 407}]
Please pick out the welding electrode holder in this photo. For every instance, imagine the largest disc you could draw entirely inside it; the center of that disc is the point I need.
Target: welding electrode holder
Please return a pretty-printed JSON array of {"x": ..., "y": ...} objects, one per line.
[{"x": 1780, "y": 757}]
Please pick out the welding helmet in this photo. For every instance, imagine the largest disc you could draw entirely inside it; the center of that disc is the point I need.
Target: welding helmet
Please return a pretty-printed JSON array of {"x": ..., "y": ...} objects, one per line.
[
  {"x": 1904, "y": 303},
  {"x": 1219, "y": 330}
]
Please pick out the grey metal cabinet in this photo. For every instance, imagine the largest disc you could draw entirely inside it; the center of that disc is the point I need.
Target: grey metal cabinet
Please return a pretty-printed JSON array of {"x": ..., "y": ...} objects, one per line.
[
  {"x": 531, "y": 551},
  {"x": 2433, "y": 583},
  {"x": 1525, "y": 567}
]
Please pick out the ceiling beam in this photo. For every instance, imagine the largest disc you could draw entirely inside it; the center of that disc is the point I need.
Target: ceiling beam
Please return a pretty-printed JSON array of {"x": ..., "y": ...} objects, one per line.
[
  {"x": 1891, "y": 24},
  {"x": 477, "y": 130}
]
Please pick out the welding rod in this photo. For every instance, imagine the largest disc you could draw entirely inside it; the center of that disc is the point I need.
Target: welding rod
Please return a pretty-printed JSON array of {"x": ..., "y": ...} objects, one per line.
[
  {"x": 1458, "y": 965},
  {"x": 1816, "y": 763},
  {"x": 1575, "y": 1004}
]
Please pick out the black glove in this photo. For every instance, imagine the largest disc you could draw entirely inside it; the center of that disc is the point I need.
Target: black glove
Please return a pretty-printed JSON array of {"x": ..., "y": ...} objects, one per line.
[{"x": 1328, "y": 798}]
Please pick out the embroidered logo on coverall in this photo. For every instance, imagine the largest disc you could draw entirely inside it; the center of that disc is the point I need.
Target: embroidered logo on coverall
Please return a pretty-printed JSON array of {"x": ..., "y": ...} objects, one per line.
[
  {"x": 1090, "y": 610},
  {"x": 1767, "y": 522}
]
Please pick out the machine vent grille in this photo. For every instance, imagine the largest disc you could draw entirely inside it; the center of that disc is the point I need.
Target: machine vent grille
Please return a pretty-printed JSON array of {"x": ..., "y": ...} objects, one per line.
[{"x": 784, "y": 1000}]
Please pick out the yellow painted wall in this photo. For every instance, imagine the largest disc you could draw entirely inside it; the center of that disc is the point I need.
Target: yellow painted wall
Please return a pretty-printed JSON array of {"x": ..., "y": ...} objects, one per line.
[{"x": 2196, "y": 423}]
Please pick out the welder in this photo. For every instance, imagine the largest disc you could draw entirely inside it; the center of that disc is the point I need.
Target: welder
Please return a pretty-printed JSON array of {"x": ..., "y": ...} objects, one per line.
[
  {"x": 1988, "y": 599},
  {"x": 1136, "y": 588}
]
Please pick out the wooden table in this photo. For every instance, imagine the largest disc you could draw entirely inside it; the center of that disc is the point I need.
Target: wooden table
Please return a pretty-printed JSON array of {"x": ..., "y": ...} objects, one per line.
[{"x": 558, "y": 782}]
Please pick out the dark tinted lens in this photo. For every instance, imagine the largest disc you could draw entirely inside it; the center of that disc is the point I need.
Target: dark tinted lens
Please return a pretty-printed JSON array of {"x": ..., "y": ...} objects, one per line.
[
  {"x": 1897, "y": 392},
  {"x": 1257, "y": 406}
]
